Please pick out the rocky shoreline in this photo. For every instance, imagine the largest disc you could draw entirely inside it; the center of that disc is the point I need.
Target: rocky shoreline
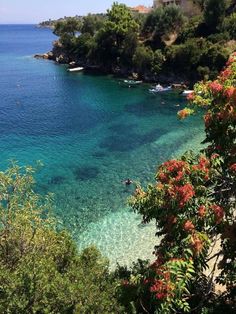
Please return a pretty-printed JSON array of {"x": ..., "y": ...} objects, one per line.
[{"x": 59, "y": 56}]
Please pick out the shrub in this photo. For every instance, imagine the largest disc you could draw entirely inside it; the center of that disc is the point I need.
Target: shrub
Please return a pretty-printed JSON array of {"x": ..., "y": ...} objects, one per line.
[{"x": 40, "y": 268}]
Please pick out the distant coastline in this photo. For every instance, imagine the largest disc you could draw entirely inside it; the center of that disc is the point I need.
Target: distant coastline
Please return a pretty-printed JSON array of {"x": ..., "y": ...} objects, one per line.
[{"x": 163, "y": 46}]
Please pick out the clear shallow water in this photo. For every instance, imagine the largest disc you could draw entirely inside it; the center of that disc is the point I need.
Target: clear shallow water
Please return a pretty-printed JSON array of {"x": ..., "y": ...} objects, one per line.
[{"x": 91, "y": 133}]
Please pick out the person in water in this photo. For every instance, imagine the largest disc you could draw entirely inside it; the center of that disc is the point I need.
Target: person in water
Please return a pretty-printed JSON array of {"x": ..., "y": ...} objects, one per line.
[{"x": 127, "y": 182}]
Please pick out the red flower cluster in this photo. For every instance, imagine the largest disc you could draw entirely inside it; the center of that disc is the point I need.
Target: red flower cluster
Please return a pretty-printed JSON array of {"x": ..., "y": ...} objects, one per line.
[
  {"x": 182, "y": 114},
  {"x": 182, "y": 194},
  {"x": 190, "y": 96},
  {"x": 172, "y": 170},
  {"x": 203, "y": 166},
  {"x": 202, "y": 211},
  {"x": 229, "y": 92},
  {"x": 197, "y": 244},
  {"x": 233, "y": 167},
  {"x": 189, "y": 226},
  {"x": 214, "y": 156},
  {"x": 225, "y": 74},
  {"x": 215, "y": 87},
  {"x": 162, "y": 288},
  {"x": 208, "y": 119},
  {"x": 218, "y": 212},
  {"x": 230, "y": 60}
]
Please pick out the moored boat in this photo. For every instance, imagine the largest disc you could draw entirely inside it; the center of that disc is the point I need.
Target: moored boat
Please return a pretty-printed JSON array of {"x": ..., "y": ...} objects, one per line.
[
  {"x": 159, "y": 88},
  {"x": 78, "y": 69},
  {"x": 132, "y": 82},
  {"x": 187, "y": 92}
]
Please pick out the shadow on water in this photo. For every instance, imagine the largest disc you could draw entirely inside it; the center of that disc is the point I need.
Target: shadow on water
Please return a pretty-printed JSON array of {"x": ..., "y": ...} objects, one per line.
[
  {"x": 85, "y": 173},
  {"x": 99, "y": 154},
  {"x": 56, "y": 180},
  {"x": 129, "y": 140},
  {"x": 117, "y": 128}
]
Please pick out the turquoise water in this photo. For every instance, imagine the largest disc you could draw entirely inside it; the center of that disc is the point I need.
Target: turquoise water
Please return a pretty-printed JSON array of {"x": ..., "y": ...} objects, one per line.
[{"x": 91, "y": 133}]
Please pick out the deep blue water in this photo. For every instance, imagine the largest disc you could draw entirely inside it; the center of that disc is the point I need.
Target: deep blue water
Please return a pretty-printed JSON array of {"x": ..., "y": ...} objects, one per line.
[{"x": 91, "y": 133}]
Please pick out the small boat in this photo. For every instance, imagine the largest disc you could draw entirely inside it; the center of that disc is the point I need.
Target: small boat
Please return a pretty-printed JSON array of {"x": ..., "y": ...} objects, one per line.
[
  {"x": 132, "y": 82},
  {"x": 187, "y": 92},
  {"x": 75, "y": 69},
  {"x": 158, "y": 89}
]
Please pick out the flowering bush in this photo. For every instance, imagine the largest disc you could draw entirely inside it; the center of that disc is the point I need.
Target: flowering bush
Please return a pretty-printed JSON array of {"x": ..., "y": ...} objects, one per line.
[{"x": 193, "y": 205}]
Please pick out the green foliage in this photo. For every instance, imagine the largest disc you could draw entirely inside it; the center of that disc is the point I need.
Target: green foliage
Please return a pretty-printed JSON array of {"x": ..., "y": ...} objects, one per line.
[
  {"x": 40, "y": 268},
  {"x": 163, "y": 21},
  {"x": 143, "y": 59},
  {"x": 67, "y": 30},
  {"x": 229, "y": 25},
  {"x": 214, "y": 13},
  {"x": 112, "y": 40},
  {"x": 158, "y": 61},
  {"x": 92, "y": 23},
  {"x": 69, "y": 27},
  {"x": 190, "y": 29},
  {"x": 162, "y": 41},
  {"x": 195, "y": 53}
]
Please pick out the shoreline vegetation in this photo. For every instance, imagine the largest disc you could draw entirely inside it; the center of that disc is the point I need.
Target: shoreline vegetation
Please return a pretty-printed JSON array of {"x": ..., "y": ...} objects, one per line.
[{"x": 163, "y": 46}]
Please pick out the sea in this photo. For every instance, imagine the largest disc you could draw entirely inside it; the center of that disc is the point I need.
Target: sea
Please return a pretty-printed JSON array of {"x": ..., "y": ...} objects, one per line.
[{"x": 91, "y": 133}]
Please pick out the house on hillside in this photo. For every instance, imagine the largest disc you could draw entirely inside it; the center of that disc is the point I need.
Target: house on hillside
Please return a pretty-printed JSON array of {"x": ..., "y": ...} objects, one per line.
[{"x": 141, "y": 9}]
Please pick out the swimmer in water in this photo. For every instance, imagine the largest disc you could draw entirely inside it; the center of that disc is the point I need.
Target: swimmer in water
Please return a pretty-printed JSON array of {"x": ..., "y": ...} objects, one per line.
[{"x": 127, "y": 182}]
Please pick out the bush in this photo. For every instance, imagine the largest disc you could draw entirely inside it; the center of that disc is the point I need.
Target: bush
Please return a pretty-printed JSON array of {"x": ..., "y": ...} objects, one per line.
[
  {"x": 142, "y": 59},
  {"x": 40, "y": 268},
  {"x": 229, "y": 25}
]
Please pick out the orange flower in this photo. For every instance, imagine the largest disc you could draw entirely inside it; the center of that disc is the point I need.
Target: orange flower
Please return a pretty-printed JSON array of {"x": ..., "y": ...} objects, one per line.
[
  {"x": 218, "y": 212},
  {"x": 197, "y": 244},
  {"x": 225, "y": 74},
  {"x": 189, "y": 226},
  {"x": 208, "y": 119},
  {"x": 233, "y": 167},
  {"x": 215, "y": 87},
  {"x": 229, "y": 92},
  {"x": 182, "y": 114},
  {"x": 202, "y": 211},
  {"x": 190, "y": 96}
]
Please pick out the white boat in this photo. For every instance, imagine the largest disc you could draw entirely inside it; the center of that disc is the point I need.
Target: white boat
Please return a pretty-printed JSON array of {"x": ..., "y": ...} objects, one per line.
[
  {"x": 75, "y": 69},
  {"x": 158, "y": 89},
  {"x": 132, "y": 82},
  {"x": 187, "y": 92}
]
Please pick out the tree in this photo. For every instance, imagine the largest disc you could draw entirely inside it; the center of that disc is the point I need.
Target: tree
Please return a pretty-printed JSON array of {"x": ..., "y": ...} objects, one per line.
[
  {"x": 118, "y": 27},
  {"x": 163, "y": 21},
  {"x": 193, "y": 204},
  {"x": 92, "y": 23},
  {"x": 143, "y": 59},
  {"x": 229, "y": 25},
  {"x": 67, "y": 30},
  {"x": 67, "y": 27},
  {"x": 40, "y": 268},
  {"x": 214, "y": 13}
]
